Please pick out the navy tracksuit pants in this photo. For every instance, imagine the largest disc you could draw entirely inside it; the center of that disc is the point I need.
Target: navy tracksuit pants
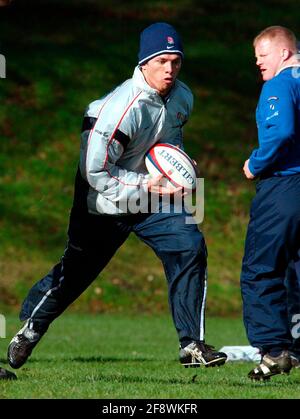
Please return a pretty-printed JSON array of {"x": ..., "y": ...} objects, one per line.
[
  {"x": 292, "y": 282},
  {"x": 94, "y": 239},
  {"x": 269, "y": 280}
]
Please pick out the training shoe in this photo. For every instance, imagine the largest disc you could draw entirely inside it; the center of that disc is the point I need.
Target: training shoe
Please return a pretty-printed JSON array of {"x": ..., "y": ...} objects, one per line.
[
  {"x": 295, "y": 361},
  {"x": 7, "y": 375},
  {"x": 21, "y": 346},
  {"x": 271, "y": 365},
  {"x": 199, "y": 353}
]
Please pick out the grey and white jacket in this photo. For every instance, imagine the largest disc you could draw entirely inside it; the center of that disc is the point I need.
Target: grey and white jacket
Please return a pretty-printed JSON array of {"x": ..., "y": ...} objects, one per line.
[{"x": 126, "y": 124}]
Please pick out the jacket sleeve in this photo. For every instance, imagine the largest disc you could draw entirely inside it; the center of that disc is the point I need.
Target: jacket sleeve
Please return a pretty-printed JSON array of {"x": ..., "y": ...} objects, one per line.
[
  {"x": 113, "y": 130},
  {"x": 182, "y": 106},
  {"x": 185, "y": 117},
  {"x": 276, "y": 125}
]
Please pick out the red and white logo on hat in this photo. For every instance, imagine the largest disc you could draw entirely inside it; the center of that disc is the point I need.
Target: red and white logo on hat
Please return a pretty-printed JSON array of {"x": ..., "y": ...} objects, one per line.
[{"x": 170, "y": 40}]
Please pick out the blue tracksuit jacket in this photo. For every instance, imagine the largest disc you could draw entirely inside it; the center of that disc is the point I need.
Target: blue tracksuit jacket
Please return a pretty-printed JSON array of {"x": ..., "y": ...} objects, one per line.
[{"x": 278, "y": 121}]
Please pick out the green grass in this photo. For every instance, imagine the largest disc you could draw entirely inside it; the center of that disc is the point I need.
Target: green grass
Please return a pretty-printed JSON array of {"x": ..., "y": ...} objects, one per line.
[{"x": 133, "y": 357}]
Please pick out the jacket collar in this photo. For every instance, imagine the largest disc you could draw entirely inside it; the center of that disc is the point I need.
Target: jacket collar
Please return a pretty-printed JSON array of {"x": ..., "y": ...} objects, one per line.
[
  {"x": 140, "y": 82},
  {"x": 287, "y": 66}
]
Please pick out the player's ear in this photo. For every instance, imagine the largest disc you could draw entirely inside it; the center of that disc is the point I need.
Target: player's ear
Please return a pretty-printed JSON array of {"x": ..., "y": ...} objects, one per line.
[{"x": 285, "y": 53}]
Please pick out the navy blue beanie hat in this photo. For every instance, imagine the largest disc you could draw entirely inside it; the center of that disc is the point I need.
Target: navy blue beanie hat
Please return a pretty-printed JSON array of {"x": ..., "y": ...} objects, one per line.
[{"x": 159, "y": 38}]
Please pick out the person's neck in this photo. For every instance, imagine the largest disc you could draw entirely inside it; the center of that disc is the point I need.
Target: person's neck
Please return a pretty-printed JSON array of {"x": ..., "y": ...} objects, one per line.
[{"x": 291, "y": 62}]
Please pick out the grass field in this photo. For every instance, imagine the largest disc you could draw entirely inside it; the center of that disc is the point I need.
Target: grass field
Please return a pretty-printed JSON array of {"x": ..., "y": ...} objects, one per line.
[
  {"x": 115, "y": 357},
  {"x": 61, "y": 55}
]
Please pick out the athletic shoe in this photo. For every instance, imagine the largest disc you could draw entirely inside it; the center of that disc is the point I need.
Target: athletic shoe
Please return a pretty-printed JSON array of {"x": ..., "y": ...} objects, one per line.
[
  {"x": 7, "y": 375},
  {"x": 22, "y": 345},
  {"x": 199, "y": 353},
  {"x": 271, "y": 365},
  {"x": 295, "y": 361}
]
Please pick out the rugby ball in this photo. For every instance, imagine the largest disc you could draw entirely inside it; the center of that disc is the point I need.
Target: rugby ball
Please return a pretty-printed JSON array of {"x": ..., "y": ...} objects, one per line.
[{"x": 176, "y": 166}]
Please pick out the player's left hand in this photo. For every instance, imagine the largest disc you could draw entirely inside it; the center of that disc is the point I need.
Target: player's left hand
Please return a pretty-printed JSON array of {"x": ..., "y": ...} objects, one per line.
[{"x": 247, "y": 172}]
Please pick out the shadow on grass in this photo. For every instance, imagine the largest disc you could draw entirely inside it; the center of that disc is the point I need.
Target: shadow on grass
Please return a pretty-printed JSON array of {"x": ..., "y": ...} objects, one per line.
[
  {"x": 90, "y": 359},
  {"x": 93, "y": 359},
  {"x": 137, "y": 379},
  {"x": 194, "y": 378}
]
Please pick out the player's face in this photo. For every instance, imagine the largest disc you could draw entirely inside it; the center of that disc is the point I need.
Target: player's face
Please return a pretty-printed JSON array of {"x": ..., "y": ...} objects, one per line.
[
  {"x": 269, "y": 57},
  {"x": 161, "y": 72}
]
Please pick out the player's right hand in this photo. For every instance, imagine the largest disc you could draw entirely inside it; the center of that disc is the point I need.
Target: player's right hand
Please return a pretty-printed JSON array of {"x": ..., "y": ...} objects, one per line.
[{"x": 155, "y": 186}]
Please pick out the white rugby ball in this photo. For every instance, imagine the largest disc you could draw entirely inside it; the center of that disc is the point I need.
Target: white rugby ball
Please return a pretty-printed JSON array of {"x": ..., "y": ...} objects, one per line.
[{"x": 173, "y": 163}]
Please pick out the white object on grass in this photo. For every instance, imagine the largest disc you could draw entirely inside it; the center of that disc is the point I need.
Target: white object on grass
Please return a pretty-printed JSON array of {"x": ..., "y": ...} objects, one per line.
[{"x": 241, "y": 353}]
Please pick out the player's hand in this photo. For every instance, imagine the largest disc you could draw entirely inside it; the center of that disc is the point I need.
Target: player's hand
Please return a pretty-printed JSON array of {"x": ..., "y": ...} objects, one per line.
[
  {"x": 155, "y": 186},
  {"x": 194, "y": 161},
  {"x": 247, "y": 172}
]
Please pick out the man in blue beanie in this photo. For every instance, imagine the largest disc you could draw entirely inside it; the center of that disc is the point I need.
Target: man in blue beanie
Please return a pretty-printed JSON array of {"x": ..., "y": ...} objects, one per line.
[
  {"x": 117, "y": 132},
  {"x": 271, "y": 262}
]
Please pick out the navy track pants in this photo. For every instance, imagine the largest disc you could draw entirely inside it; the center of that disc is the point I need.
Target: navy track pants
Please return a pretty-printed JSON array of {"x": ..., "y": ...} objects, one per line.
[
  {"x": 271, "y": 263},
  {"x": 94, "y": 239}
]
